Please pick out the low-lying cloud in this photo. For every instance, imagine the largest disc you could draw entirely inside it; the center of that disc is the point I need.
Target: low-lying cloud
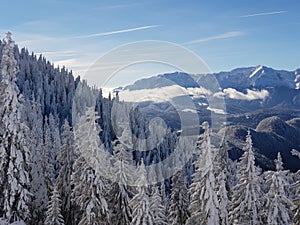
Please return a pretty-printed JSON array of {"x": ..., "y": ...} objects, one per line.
[{"x": 249, "y": 96}]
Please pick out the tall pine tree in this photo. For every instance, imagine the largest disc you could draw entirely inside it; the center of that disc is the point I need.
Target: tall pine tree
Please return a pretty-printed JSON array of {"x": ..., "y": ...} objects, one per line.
[
  {"x": 246, "y": 199},
  {"x": 120, "y": 192},
  {"x": 157, "y": 207},
  {"x": 278, "y": 205},
  {"x": 204, "y": 202},
  {"x": 54, "y": 216},
  {"x": 296, "y": 186},
  {"x": 140, "y": 203},
  {"x": 179, "y": 202},
  {"x": 89, "y": 187},
  {"x": 15, "y": 197},
  {"x": 66, "y": 159}
]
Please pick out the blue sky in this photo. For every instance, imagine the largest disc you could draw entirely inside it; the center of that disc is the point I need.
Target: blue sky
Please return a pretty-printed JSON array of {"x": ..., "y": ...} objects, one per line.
[{"x": 225, "y": 34}]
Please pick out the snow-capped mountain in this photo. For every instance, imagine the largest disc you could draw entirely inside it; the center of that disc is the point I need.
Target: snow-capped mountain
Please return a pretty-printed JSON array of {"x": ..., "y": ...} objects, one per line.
[
  {"x": 241, "y": 78},
  {"x": 178, "y": 78},
  {"x": 256, "y": 77},
  {"x": 244, "y": 89},
  {"x": 251, "y": 95}
]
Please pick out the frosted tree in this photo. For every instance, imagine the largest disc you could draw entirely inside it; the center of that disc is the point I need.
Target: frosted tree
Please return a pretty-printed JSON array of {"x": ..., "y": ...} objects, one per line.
[
  {"x": 222, "y": 173},
  {"x": 223, "y": 199},
  {"x": 54, "y": 216},
  {"x": 55, "y": 144},
  {"x": 66, "y": 159},
  {"x": 15, "y": 197},
  {"x": 38, "y": 184},
  {"x": 47, "y": 157},
  {"x": 204, "y": 202},
  {"x": 120, "y": 192},
  {"x": 89, "y": 186},
  {"x": 246, "y": 199},
  {"x": 56, "y": 140},
  {"x": 295, "y": 153},
  {"x": 140, "y": 203},
  {"x": 179, "y": 202},
  {"x": 296, "y": 186},
  {"x": 157, "y": 207},
  {"x": 278, "y": 205}
]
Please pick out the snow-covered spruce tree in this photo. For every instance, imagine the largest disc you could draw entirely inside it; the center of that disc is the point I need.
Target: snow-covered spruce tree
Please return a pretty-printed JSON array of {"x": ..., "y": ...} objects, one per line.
[
  {"x": 204, "y": 202},
  {"x": 89, "y": 186},
  {"x": 223, "y": 183},
  {"x": 52, "y": 145},
  {"x": 246, "y": 197},
  {"x": 54, "y": 216},
  {"x": 48, "y": 168},
  {"x": 15, "y": 197},
  {"x": 223, "y": 198},
  {"x": 179, "y": 202},
  {"x": 157, "y": 207},
  {"x": 278, "y": 206},
  {"x": 38, "y": 184},
  {"x": 66, "y": 159},
  {"x": 56, "y": 142},
  {"x": 296, "y": 186},
  {"x": 140, "y": 203},
  {"x": 120, "y": 192}
]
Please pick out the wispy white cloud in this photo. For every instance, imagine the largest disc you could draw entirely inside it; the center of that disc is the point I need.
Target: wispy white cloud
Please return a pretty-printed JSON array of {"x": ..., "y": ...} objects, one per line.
[
  {"x": 250, "y": 94},
  {"x": 227, "y": 35},
  {"x": 121, "y": 6},
  {"x": 31, "y": 39},
  {"x": 73, "y": 63},
  {"x": 117, "y": 31},
  {"x": 264, "y": 14},
  {"x": 59, "y": 53}
]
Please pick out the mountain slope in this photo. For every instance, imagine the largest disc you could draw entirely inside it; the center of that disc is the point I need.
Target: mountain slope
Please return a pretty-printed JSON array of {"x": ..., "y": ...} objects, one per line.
[{"x": 262, "y": 99}]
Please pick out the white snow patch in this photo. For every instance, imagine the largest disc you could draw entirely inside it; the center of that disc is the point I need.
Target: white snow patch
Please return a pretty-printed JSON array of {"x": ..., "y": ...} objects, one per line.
[
  {"x": 189, "y": 110},
  {"x": 295, "y": 153},
  {"x": 255, "y": 71},
  {"x": 203, "y": 104},
  {"x": 297, "y": 81}
]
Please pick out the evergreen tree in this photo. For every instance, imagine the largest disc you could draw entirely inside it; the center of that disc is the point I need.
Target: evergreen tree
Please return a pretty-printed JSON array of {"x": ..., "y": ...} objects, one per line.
[
  {"x": 140, "y": 203},
  {"x": 89, "y": 186},
  {"x": 204, "y": 203},
  {"x": 120, "y": 192},
  {"x": 47, "y": 157},
  {"x": 54, "y": 216},
  {"x": 296, "y": 186},
  {"x": 222, "y": 173},
  {"x": 15, "y": 197},
  {"x": 38, "y": 183},
  {"x": 278, "y": 206},
  {"x": 157, "y": 207},
  {"x": 66, "y": 159},
  {"x": 246, "y": 199},
  {"x": 223, "y": 199},
  {"x": 179, "y": 202}
]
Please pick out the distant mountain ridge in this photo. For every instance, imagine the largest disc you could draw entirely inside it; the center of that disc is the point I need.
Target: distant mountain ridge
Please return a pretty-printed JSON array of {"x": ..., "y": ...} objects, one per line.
[
  {"x": 240, "y": 78},
  {"x": 262, "y": 99},
  {"x": 257, "y": 77}
]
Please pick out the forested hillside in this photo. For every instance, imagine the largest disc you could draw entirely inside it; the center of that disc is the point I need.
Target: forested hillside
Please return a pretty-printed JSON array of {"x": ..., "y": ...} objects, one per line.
[{"x": 70, "y": 156}]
